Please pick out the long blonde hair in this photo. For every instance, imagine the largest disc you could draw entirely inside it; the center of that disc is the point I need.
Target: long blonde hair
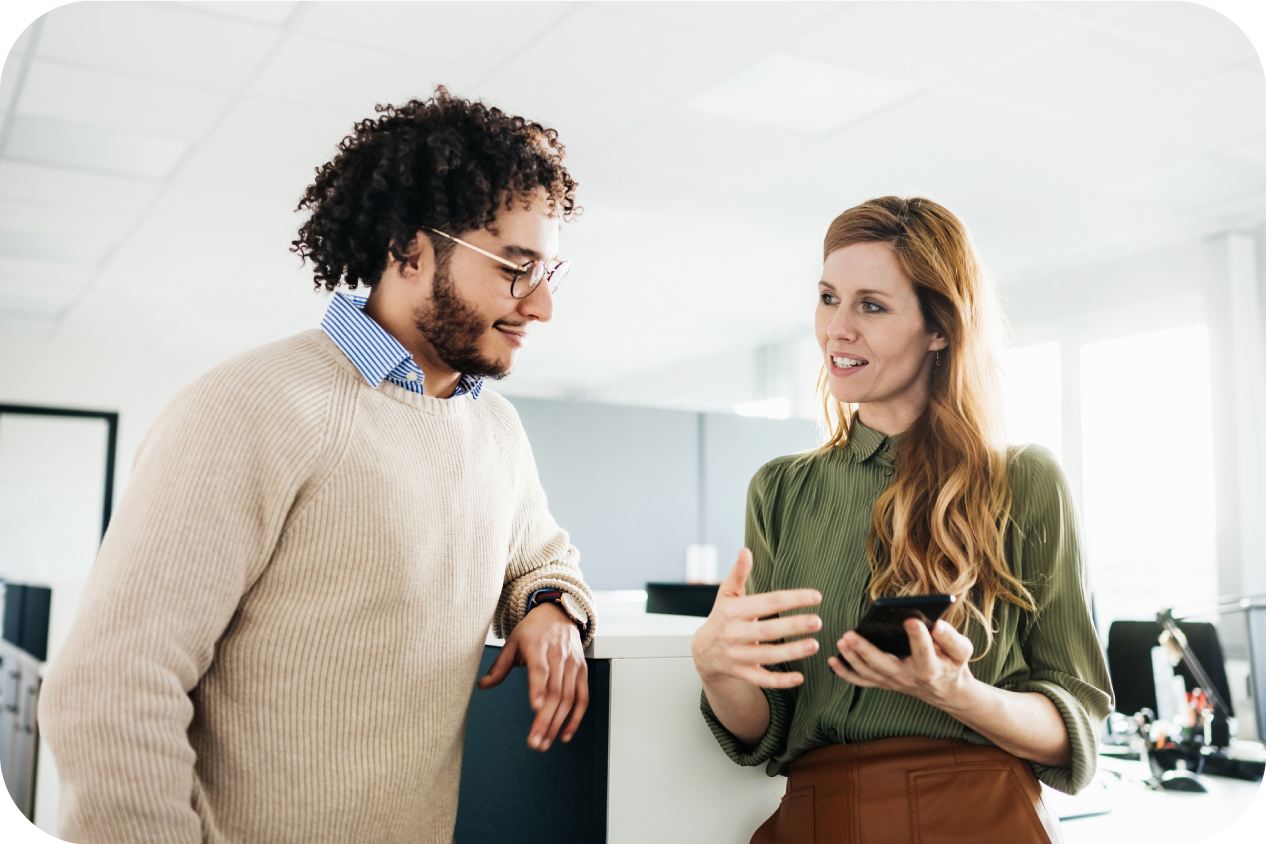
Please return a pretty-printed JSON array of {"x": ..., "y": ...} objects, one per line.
[{"x": 940, "y": 526}]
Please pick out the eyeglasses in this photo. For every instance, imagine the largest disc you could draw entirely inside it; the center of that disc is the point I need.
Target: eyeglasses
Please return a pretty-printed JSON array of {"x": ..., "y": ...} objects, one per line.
[{"x": 526, "y": 276}]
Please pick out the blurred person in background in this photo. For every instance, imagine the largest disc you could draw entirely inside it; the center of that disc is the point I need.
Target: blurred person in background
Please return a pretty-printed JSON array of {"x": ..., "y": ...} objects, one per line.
[
  {"x": 279, "y": 638},
  {"x": 915, "y": 492}
]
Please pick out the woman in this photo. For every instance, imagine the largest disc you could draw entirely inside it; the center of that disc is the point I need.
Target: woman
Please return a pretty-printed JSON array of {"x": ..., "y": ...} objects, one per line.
[{"x": 915, "y": 493}]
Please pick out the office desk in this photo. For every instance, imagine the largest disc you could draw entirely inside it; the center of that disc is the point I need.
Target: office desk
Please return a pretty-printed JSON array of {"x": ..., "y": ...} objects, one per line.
[
  {"x": 643, "y": 766},
  {"x": 1142, "y": 815}
]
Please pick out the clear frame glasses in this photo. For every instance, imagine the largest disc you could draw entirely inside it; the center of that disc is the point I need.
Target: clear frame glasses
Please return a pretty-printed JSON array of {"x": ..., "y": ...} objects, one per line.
[{"x": 526, "y": 276}]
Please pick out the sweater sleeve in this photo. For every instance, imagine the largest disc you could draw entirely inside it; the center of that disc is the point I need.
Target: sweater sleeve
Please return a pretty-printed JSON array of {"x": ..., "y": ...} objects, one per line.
[
  {"x": 541, "y": 555},
  {"x": 1061, "y": 647},
  {"x": 211, "y": 490},
  {"x": 782, "y": 702}
]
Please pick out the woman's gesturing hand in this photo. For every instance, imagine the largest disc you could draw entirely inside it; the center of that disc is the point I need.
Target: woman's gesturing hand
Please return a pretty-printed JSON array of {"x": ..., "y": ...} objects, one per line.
[
  {"x": 936, "y": 671},
  {"x": 730, "y": 643}
]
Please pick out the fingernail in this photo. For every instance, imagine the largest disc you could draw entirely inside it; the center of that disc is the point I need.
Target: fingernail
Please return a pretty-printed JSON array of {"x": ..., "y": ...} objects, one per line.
[
  {"x": 817, "y": 596},
  {"x": 810, "y": 645}
]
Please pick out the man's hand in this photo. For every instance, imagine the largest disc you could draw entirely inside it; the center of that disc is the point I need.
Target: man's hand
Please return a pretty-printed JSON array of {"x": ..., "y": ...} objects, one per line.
[{"x": 548, "y": 643}]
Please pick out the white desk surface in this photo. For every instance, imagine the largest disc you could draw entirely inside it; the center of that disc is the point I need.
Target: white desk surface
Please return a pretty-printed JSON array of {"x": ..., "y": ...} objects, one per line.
[
  {"x": 1140, "y": 814},
  {"x": 638, "y": 636}
]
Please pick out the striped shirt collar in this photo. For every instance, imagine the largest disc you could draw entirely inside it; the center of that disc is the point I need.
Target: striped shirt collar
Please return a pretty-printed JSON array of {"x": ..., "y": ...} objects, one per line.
[{"x": 375, "y": 353}]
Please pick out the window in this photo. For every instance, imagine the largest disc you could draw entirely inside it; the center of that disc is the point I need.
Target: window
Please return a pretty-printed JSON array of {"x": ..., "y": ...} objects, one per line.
[
  {"x": 1031, "y": 387},
  {"x": 1147, "y": 472}
]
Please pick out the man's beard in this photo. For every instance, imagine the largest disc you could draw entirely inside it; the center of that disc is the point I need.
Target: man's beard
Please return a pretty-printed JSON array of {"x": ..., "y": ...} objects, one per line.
[{"x": 453, "y": 329}]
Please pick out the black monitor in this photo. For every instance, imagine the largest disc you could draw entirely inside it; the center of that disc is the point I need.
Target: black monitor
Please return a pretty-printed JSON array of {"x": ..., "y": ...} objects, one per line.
[{"x": 1130, "y": 646}]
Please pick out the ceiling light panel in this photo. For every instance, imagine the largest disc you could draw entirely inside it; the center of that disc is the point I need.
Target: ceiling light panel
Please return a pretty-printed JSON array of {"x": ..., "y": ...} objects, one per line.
[
  {"x": 159, "y": 40},
  {"x": 260, "y": 11},
  {"x": 630, "y": 60},
  {"x": 801, "y": 94},
  {"x": 325, "y": 74},
  {"x": 767, "y": 24},
  {"x": 482, "y": 36},
  {"x": 58, "y": 187},
  {"x": 87, "y": 148},
  {"x": 111, "y": 101},
  {"x": 928, "y": 44}
]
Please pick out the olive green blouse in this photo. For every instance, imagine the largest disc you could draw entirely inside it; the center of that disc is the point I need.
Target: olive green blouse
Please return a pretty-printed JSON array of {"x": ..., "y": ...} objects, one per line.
[{"x": 807, "y": 524}]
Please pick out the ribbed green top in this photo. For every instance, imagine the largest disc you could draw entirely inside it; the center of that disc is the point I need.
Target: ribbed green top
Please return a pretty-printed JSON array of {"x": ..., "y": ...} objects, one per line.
[{"x": 807, "y": 525}]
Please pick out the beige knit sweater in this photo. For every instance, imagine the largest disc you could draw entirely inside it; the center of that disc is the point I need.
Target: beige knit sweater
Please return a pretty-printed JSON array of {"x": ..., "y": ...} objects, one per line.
[{"x": 281, "y": 633}]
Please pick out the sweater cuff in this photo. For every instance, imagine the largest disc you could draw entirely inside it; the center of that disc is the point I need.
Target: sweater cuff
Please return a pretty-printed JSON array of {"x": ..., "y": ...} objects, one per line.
[
  {"x": 514, "y": 598},
  {"x": 770, "y": 745},
  {"x": 1083, "y": 735}
]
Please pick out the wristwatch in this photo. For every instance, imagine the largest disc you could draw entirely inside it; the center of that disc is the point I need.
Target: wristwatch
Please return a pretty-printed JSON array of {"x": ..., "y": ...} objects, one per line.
[{"x": 565, "y": 602}]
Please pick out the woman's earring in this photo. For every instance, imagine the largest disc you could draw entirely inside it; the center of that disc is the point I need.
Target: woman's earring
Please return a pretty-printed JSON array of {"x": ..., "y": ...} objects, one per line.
[{"x": 938, "y": 357}]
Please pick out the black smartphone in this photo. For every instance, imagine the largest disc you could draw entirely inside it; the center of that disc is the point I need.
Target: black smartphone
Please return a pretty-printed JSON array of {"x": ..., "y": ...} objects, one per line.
[{"x": 882, "y": 625}]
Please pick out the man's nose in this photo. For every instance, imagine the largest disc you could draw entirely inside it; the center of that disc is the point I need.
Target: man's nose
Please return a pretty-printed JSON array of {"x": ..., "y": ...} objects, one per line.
[{"x": 539, "y": 304}]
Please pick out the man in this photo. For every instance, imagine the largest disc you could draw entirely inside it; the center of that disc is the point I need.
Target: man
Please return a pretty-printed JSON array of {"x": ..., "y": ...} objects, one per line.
[{"x": 280, "y": 635}]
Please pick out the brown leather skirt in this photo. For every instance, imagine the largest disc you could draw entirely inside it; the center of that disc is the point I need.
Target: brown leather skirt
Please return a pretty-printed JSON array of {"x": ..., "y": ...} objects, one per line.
[{"x": 910, "y": 791}]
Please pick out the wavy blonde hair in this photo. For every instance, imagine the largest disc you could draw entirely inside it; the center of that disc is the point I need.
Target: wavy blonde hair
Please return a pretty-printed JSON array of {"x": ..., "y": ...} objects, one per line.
[{"x": 940, "y": 526}]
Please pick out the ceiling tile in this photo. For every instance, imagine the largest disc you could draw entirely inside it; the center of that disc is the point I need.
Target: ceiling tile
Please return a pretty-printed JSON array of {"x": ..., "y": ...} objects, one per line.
[
  {"x": 1081, "y": 10},
  {"x": 74, "y": 189},
  {"x": 111, "y": 101},
  {"x": 9, "y": 80},
  {"x": 88, "y": 148},
  {"x": 246, "y": 176},
  {"x": 927, "y": 43},
  {"x": 584, "y": 121},
  {"x": 54, "y": 221},
  {"x": 1213, "y": 112},
  {"x": 475, "y": 35},
  {"x": 40, "y": 286},
  {"x": 302, "y": 133},
  {"x": 21, "y": 43},
  {"x": 1186, "y": 27},
  {"x": 158, "y": 40},
  {"x": 1195, "y": 185},
  {"x": 261, "y": 11},
  {"x": 628, "y": 59},
  {"x": 704, "y": 146},
  {"x": 1092, "y": 72},
  {"x": 325, "y": 73},
  {"x": 805, "y": 95},
  {"x": 767, "y": 24}
]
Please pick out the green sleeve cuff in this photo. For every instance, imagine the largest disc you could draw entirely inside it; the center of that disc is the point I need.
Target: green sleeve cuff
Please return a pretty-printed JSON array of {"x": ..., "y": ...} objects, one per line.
[
  {"x": 770, "y": 745},
  {"x": 1083, "y": 708}
]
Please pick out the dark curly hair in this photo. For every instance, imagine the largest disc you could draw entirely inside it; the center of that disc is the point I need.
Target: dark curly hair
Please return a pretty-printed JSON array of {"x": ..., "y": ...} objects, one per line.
[{"x": 445, "y": 163}]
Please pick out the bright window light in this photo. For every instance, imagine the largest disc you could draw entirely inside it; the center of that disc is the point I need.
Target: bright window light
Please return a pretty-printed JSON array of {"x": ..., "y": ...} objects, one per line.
[
  {"x": 1147, "y": 470},
  {"x": 779, "y": 408},
  {"x": 1032, "y": 390}
]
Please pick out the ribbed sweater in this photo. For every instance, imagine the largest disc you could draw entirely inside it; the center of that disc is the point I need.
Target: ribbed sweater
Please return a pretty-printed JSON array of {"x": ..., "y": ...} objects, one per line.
[
  {"x": 281, "y": 633},
  {"x": 808, "y": 519}
]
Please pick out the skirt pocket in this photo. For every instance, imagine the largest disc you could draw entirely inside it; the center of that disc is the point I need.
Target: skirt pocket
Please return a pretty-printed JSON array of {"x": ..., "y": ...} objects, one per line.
[{"x": 972, "y": 804}]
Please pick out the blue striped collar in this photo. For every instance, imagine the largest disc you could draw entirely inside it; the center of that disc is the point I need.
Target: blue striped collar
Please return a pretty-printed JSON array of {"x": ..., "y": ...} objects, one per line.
[{"x": 375, "y": 353}]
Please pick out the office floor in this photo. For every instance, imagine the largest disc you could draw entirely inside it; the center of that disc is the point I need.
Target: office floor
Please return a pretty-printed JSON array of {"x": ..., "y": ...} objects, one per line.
[{"x": 1141, "y": 814}]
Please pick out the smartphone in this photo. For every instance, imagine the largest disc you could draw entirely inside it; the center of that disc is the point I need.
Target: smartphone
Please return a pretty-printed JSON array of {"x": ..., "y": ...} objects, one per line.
[{"x": 882, "y": 623}]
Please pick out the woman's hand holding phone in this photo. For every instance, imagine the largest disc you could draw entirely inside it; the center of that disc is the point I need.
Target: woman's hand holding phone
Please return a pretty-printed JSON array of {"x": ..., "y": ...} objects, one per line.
[
  {"x": 937, "y": 670},
  {"x": 735, "y": 642}
]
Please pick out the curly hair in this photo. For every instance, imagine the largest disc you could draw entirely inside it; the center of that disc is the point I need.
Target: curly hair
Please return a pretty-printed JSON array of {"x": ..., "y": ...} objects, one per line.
[{"x": 445, "y": 163}]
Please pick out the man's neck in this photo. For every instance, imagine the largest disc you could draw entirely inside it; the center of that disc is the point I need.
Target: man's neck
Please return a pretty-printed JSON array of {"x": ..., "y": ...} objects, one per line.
[{"x": 438, "y": 380}]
